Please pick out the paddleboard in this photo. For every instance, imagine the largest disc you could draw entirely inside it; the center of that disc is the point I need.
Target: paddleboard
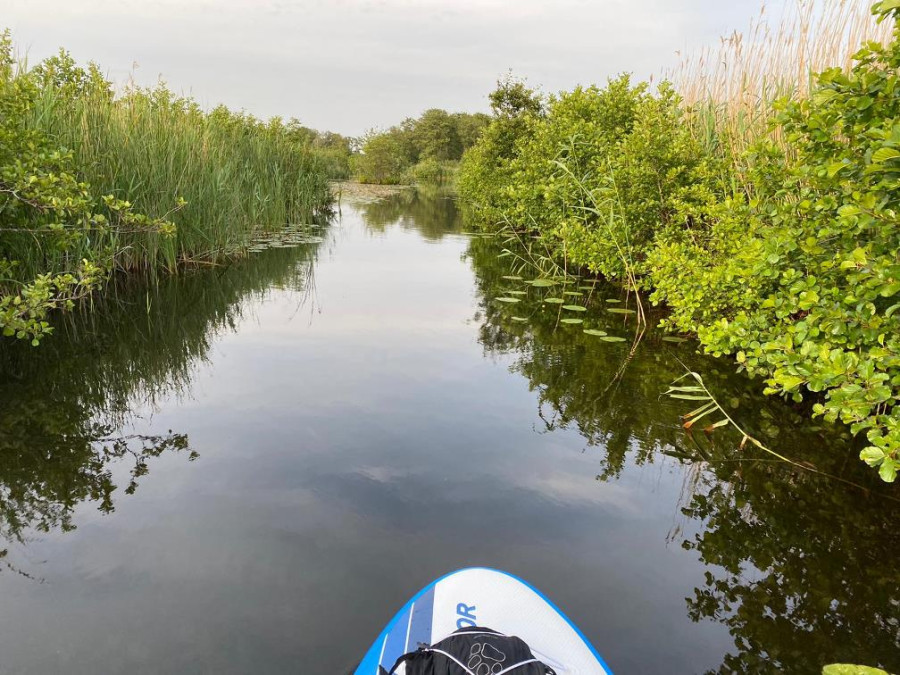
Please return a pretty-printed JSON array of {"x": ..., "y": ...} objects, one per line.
[{"x": 479, "y": 596}]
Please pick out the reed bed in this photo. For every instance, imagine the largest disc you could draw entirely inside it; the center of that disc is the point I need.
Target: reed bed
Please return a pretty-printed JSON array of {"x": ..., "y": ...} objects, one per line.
[
  {"x": 730, "y": 89},
  {"x": 220, "y": 176}
]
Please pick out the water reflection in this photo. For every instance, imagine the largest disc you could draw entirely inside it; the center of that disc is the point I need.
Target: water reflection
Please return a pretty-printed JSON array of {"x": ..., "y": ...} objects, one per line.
[
  {"x": 797, "y": 565},
  {"x": 433, "y": 214},
  {"x": 348, "y": 459},
  {"x": 65, "y": 411}
]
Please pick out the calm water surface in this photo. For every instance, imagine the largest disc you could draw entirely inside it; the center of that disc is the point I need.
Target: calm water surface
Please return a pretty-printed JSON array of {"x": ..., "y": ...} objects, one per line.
[{"x": 250, "y": 469}]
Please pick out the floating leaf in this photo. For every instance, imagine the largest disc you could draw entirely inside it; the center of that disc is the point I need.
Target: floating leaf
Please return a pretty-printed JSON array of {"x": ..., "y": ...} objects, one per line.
[
  {"x": 594, "y": 331},
  {"x": 613, "y": 338},
  {"x": 673, "y": 338},
  {"x": 571, "y": 322},
  {"x": 575, "y": 308},
  {"x": 542, "y": 283},
  {"x": 554, "y": 301},
  {"x": 508, "y": 299},
  {"x": 585, "y": 288},
  {"x": 612, "y": 300},
  {"x": 620, "y": 310},
  {"x": 573, "y": 293},
  {"x": 520, "y": 319},
  {"x": 511, "y": 277}
]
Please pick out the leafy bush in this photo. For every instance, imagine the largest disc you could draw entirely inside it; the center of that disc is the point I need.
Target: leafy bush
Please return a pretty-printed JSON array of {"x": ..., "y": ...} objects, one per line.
[
  {"x": 785, "y": 257},
  {"x": 824, "y": 267},
  {"x": 431, "y": 172}
]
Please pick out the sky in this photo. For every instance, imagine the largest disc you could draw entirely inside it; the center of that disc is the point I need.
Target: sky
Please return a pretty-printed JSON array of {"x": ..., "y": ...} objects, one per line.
[{"x": 352, "y": 65}]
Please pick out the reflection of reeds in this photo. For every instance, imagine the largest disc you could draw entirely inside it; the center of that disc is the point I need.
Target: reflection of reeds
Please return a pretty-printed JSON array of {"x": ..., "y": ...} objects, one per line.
[{"x": 731, "y": 88}]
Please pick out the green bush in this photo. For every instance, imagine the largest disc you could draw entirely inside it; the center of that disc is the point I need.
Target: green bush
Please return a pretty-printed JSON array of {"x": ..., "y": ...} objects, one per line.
[
  {"x": 790, "y": 263},
  {"x": 599, "y": 175},
  {"x": 824, "y": 266}
]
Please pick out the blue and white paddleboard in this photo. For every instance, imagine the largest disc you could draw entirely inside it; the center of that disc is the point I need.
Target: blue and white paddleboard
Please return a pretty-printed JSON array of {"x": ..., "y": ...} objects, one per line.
[{"x": 479, "y": 596}]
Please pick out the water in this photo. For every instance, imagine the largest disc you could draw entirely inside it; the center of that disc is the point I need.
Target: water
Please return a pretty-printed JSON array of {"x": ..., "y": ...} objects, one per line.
[{"x": 250, "y": 469}]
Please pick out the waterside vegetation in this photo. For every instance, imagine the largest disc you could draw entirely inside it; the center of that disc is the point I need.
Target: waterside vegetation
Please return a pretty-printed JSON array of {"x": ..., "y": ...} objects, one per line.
[
  {"x": 95, "y": 182},
  {"x": 763, "y": 214},
  {"x": 421, "y": 151}
]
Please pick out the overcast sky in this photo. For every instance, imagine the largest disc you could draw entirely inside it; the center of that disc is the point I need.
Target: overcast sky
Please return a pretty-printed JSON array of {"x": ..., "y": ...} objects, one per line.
[{"x": 349, "y": 65}]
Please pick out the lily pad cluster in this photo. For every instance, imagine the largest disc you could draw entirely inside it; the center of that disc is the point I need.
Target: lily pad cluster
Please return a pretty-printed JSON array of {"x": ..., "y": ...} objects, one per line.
[
  {"x": 560, "y": 295},
  {"x": 292, "y": 235}
]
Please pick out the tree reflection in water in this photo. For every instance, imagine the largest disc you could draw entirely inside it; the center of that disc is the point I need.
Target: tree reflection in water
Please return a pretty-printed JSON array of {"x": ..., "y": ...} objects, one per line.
[
  {"x": 65, "y": 408},
  {"x": 800, "y": 568}
]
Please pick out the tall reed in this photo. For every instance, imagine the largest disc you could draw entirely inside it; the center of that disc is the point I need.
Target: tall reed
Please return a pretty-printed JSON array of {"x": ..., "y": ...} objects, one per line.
[
  {"x": 235, "y": 173},
  {"x": 730, "y": 89}
]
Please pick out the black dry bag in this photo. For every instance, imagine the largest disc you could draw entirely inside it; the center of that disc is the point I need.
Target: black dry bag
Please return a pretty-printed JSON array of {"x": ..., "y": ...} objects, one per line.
[{"x": 472, "y": 651}]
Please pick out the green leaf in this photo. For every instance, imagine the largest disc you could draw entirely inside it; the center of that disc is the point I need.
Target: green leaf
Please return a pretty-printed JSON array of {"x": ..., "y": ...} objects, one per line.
[
  {"x": 519, "y": 319},
  {"x": 789, "y": 382},
  {"x": 594, "y": 331},
  {"x": 620, "y": 310},
  {"x": 554, "y": 301},
  {"x": 847, "y": 668},
  {"x": 835, "y": 167},
  {"x": 613, "y": 338},
  {"x": 509, "y": 300},
  {"x": 872, "y": 456},
  {"x": 890, "y": 289},
  {"x": 542, "y": 283},
  {"x": 575, "y": 308},
  {"x": 884, "y": 154},
  {"x": 888, "y": 471}
]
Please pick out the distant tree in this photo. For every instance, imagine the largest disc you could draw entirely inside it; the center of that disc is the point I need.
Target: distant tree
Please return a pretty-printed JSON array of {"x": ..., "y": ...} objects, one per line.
[
  {"x": 469, "y": 127},
  {"x": 436, "y": 136},
  {"x": 382, "y": 159}
]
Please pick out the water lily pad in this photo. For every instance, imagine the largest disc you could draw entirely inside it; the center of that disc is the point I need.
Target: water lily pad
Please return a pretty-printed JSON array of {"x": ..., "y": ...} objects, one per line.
[
  {"x": 613, "y": 300},
  {"x": 573, "y": 293},
  {"x": 520, "y": 319},
  {"x": 517, "y": 292},
  {"x": 585, "y": 288},
  {"x": 673, "y": 338},
  {"x": 508, "y": 299},
  {"x": 594, "y": 331},
  {"x": 511, "y": 277},
  {"x": 575, "y": 308},
  {"x": 554, "y": 301},
  {"x": 572, "y": 322},
  {"x": 542, "y": 283},
  {"x": 620, "y": 310},
  {"x": 613, "y": 338}
]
